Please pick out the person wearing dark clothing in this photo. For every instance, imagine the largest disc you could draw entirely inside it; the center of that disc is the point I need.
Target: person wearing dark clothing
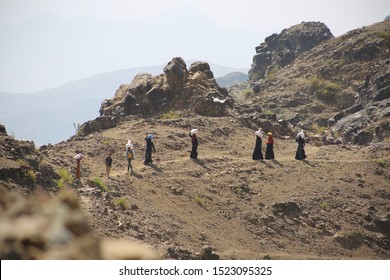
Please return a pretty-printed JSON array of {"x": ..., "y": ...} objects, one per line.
[
  {"x": 269, "y": 152},
  {"x": 108, "y": 165},
  {"x": 78, "y": 158},
  {"x": 300, "y": 154},
  {"x": 149, "y": 149},
  {"x": 194, "y": 140},
  {"x": 257, "y": 153}
]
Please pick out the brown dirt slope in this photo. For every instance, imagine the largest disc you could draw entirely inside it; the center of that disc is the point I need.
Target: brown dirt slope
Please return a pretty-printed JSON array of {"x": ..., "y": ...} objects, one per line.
[{"x": 332, "y": 206}]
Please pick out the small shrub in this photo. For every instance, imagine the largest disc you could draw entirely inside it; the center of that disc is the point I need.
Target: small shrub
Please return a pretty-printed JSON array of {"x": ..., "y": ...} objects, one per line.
[
  {"x": 318, "y": 129},
  {"x": 170, "y": 115},
  {"x": 385, "y": 35},
  {"x": 106, "y": 142},
  {"x": 22, "y": 162},
  {"x": 272, "y": 72},
  {"x": 122, "y": 202},
  {"x": 66, "y": 176},
  {"x": 30, "y": 176},
  {"x": 325, "y": 90},
  {"x": 381, "y": 162},
  {"x": 198, "y": 200},
  {"x": 77, "y": 128},
  {"x": 324, "y": 205},
  {"x": 99, "y": 183},
  {"x": 247, "y": 92}
]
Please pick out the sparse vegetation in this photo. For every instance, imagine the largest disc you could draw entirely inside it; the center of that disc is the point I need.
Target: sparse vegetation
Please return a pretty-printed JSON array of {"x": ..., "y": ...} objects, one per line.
[
  {"x": 122, "y": 202},
  {"x": 247, "y": 92},
  {"x": 325, "y": 90},
  {"x": 324, "y": 205},
  {"x": 106, "y": 142},
  {"x": 170, "y": 115},
  {"x": 385, "y": 35},
  {"x": 66, "y": 178},
  {"x": 318, "y": 129},
  {"x": 99, "y": 183},
  {"x": 198, "y": 200},
  {"x": 22, "y": 162},
  {"x": 382, "y": 163},
  {"x": 30, "y": 176},
  {"x": 270, "y": 74},
  {"x": 77, "y": 128}
]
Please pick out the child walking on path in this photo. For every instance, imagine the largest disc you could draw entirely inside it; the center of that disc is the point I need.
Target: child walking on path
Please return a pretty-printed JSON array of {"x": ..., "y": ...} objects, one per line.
[
  {"x": 108, "y": 164},
  {"x": 129, "y": 155}
]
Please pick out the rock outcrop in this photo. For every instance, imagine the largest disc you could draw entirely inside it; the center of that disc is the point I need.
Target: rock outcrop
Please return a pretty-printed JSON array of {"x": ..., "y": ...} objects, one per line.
[
  {"x": 22, "y": 165},
  {"x": 338, "y": 89},
  {"x": 177, "y": 88},
  {"x": 279, "y": 50},
  {"x": 56, "y": 229}
]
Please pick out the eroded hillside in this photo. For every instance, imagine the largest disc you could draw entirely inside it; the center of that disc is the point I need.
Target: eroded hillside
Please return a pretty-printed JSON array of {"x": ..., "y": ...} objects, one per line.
[{"x": 333, "y": 205}]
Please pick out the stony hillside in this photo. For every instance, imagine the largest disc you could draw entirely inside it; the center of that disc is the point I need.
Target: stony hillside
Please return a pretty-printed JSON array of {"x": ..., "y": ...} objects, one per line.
[
  {"x": 334, "y": 205},
  {"x": 339, "y": 89}
]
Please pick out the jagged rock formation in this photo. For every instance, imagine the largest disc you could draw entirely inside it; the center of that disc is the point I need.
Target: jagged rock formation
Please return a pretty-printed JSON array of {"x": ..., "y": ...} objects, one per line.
[
  {"x": 338, "y": 90},
  {"x": 279, "y": 50},
  {"x": 22, "y": 164},
  {"x": 176, "y": 88}
]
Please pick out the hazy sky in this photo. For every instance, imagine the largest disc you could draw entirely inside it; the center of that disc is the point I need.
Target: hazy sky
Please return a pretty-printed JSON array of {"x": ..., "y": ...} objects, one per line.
[
  {"x": 339, "y": 15},
  {"x": 29, "y": 62}
]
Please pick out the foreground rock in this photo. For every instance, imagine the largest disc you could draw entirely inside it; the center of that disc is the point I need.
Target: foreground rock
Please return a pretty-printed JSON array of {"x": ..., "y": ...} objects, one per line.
[{"x": 44, "y": 228}]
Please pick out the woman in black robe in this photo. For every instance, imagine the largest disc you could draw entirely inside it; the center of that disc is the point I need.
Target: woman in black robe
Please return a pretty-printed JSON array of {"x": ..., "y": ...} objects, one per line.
[
  {"x": 149, "y": 148},
  {"x": 257, "y": 153},
  {"x": 300, "y": 154},
  {"x": 194, "y": 141}
]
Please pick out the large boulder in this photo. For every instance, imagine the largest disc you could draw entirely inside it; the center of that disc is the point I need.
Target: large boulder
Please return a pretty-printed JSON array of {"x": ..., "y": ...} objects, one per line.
[
  {"x": 176, "y": 73},
  {"x": 279, "y": 50},
  {"x": 177, "y": 88}
]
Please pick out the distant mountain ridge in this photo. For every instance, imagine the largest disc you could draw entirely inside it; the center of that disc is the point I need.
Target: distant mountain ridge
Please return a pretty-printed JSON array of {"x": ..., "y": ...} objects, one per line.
[
  {"x": 48, "y": 51},
  {"x": 47, "y": 116}
]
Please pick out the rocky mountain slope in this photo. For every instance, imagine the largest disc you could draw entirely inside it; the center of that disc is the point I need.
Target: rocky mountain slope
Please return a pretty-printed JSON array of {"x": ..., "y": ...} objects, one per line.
[
  {"x": 339, "y": 88},
  {"x": 334, "y": 205}
]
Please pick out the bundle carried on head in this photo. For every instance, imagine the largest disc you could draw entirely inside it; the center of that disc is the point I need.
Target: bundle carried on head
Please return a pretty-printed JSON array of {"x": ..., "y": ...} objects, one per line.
[
  {"x": 259, "y": 132},
  {"x": 194, "y": 131}
]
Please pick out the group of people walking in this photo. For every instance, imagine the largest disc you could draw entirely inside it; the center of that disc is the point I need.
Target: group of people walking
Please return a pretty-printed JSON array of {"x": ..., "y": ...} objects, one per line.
[
  {"x": 193, "y": 134},
  {"x": 269, "y": 151}
]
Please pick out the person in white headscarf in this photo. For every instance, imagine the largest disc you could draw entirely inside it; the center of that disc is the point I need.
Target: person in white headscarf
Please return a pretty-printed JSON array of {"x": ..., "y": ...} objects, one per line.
[
  {"x": 257, "y": 153},
  {"x": 300, "y": 154},
  {"x": 129, "y": 154},
  {"x": 195, "y": 142}
]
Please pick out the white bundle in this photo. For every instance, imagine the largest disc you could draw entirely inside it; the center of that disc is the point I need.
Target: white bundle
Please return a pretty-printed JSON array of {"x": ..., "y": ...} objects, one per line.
[
  {"x": 259, "y": 133},
  {"x": 301, "y": 134},
  {"x": 129, "y": 145},
  {"x": 194, "y": 131},
  {"x": 78, "y": 156}
]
